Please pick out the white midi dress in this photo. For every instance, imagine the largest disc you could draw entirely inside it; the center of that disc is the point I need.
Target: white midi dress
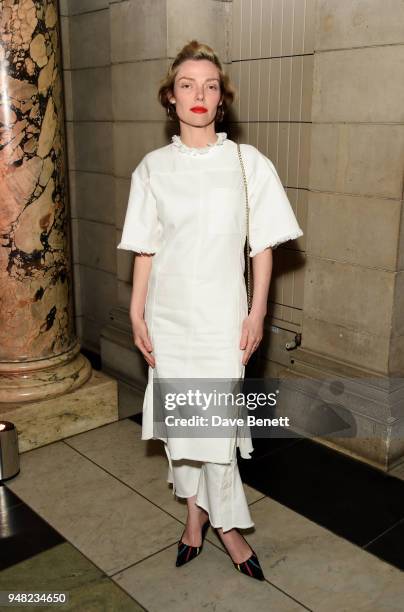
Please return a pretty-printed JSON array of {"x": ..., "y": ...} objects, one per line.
[{"x": 187, "y": 207}]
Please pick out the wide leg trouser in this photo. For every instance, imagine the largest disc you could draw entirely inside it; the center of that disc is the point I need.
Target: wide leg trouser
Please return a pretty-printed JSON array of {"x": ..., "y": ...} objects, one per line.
[{"x": 218, "y": 487}]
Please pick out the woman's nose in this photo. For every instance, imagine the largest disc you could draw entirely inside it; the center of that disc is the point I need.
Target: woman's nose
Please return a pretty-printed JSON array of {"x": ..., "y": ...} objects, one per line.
[{"x": 199, "y": 94}]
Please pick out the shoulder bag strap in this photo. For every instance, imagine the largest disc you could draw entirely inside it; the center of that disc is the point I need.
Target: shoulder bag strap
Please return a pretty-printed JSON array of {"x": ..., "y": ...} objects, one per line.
[{"x": 247, "y": 208}]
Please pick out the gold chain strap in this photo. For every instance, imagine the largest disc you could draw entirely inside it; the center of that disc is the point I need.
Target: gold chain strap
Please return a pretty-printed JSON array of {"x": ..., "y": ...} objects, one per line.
[{"x": 247, "y": 208}]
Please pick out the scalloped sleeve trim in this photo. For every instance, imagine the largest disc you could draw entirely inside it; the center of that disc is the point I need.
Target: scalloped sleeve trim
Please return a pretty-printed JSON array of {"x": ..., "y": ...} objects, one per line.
[
  {"x": 274, "y": 243},
  {"x": 136, "y": 248}
]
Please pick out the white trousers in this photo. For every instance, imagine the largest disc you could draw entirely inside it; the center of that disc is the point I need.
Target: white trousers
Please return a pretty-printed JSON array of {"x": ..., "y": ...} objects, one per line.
[{"x": 218, "y": 487}]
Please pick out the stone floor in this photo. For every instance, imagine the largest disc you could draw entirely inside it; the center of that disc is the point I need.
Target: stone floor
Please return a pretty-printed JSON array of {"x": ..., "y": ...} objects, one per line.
[{"x": 93, "y": 516}]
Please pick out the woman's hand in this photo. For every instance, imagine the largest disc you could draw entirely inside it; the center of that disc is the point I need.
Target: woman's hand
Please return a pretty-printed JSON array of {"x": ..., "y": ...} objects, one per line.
[
  {"x": 252, "y": 334},
  {"x": 142, "y": 340}
]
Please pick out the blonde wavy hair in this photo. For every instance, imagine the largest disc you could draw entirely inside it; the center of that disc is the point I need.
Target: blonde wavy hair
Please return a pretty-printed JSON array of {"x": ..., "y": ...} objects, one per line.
[{"x": 196, "y": 51}]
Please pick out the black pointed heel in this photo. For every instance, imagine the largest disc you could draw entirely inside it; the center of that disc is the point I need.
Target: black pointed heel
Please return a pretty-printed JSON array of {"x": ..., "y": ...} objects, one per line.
[
  {"x": 251, "y": 567},
  {"x": 186, "y": 552}
]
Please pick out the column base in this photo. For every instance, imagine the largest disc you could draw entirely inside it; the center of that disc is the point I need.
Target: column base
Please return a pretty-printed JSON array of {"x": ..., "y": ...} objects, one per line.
[
  {"x": 41, "y": 422},
  {"x": 28, "y": 381},
  {"x": 368, "y": 405}
]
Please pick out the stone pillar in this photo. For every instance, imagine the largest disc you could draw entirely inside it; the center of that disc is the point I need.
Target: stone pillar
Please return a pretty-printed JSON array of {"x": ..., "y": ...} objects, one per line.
[
  {"x": 39, "y": 353},
  {"x": 353, "y": 325}
]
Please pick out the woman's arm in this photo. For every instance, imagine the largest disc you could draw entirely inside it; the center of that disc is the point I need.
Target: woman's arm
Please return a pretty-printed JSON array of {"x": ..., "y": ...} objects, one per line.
[
  {"x": 253, "y": 325},
  {"x": 141, "y": 272}
]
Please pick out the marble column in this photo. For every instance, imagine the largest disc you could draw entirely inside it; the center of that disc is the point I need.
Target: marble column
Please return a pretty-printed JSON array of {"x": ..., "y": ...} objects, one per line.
[
  {"x": 39, "y": 352},
  {"x": 47, "y": 387}
]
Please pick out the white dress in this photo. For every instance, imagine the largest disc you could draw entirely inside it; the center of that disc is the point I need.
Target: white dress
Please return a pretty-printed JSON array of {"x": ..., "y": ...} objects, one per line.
[{"x": 187, "y": 206}]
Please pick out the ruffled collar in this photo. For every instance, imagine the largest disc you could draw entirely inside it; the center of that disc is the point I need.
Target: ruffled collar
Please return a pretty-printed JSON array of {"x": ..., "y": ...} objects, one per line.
[{"x": 177, "y": 142}]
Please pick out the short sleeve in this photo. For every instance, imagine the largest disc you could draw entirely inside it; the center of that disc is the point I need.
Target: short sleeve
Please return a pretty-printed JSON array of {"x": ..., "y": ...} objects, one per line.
[
  {"x": 142, "y": 229},
  {"x": 272, "y": 220}
]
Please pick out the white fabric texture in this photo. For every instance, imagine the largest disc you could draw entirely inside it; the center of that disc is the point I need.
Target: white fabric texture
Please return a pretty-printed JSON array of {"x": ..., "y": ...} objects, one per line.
[
  {"x": 218, "y": 488},
  {"x": 187, "y": 206}
]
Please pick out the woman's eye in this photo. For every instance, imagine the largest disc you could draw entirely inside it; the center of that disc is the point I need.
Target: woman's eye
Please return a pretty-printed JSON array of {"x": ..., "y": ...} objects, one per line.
[{"x": 186, "y": 85}]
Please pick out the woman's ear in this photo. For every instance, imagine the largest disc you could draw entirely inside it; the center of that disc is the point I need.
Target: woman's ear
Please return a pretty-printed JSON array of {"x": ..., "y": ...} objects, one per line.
[{"x": 170, "y": 97}]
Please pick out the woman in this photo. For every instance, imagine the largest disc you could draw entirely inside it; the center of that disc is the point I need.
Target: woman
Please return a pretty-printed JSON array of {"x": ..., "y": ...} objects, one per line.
[{"x": 186, "y": 221}]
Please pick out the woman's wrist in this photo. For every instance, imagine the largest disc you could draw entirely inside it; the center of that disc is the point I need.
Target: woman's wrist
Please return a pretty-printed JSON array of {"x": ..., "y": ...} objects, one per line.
[
  {"x": 135, "y": 314},
  {"x": 258, "y": 311}
]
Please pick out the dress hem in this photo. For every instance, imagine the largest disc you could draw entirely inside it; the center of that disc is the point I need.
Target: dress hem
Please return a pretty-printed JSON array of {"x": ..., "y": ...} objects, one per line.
[
  {"x": 206, "y": 460},
  {"x": 221, "y": 526}
]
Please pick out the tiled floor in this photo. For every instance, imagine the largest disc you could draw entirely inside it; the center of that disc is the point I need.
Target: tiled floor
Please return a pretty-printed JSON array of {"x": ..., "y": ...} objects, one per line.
[{"x": 93, "y": 515}]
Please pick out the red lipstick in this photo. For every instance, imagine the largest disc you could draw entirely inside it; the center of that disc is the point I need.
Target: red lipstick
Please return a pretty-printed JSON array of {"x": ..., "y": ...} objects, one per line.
[{"x": 199, "y": 109}]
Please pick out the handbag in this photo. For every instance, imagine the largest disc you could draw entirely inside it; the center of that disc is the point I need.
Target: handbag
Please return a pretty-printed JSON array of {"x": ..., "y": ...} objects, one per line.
[{"x": 247, "y": 243}]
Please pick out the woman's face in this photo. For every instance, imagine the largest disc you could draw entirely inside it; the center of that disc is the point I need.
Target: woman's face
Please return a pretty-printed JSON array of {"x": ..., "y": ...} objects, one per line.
[{"x": 197, "y": 92}]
